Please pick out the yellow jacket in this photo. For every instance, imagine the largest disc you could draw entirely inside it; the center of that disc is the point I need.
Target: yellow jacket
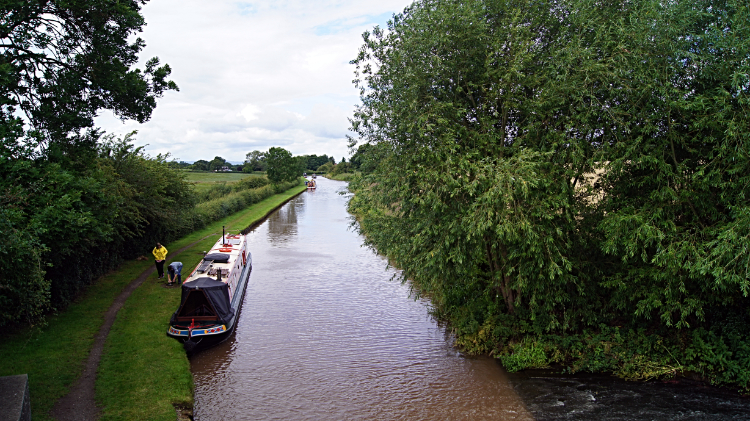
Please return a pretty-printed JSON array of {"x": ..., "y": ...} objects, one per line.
[{"x": 160, "y": 254}]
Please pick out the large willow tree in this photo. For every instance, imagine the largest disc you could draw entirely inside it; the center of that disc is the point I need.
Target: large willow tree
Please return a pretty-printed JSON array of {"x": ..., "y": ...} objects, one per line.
[{"x": 552, "y": 166}]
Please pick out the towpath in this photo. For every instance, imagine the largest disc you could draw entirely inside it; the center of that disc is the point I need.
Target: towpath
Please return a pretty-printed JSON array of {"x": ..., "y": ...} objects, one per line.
[{"x": 80, "y": 402}]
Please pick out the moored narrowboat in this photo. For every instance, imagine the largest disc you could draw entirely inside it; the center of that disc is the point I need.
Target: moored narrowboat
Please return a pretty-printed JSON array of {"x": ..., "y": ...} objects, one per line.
[{"x": 212, "y": 295}]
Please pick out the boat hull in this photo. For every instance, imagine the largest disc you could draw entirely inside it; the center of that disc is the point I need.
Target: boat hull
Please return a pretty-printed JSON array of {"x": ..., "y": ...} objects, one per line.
[{"x": 197, "y": 337}]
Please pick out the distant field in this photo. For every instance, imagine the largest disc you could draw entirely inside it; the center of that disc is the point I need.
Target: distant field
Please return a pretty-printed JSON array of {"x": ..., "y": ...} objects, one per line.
[
  {"x": 217, "y": 177},
  {"x": 204, "y": 180}
]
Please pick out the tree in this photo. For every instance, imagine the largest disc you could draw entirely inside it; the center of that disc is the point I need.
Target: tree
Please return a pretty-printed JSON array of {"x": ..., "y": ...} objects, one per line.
[
  {"x": 201, "y": 165},
  {"x": 472, "y": 204},
  {"x": 63, "y": 61},
  {"x": 217, "y": 164},
  {"x": 312, "y": 162},
  {"x": 178, "y": 165},
  {"x": 281, "y": 165},
  {"x": 256, "y": 161},
  {"x": 341, "y": 167},
  {"x": 367, "y": 157},
  {"x": 325, "y": 168},
  {"x": 487, "y": 120},
  {"x": 301, "y": 163}
]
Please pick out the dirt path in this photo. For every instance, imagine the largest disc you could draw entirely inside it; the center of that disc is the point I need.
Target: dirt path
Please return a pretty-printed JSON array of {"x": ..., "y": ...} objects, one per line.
[{"x": 80, "y": 403}]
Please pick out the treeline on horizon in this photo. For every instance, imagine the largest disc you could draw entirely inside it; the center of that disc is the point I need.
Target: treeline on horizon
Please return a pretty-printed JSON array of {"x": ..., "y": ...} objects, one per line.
[
  {"x": 568, "y": 181},
  {"x": 256, "y": 161}
]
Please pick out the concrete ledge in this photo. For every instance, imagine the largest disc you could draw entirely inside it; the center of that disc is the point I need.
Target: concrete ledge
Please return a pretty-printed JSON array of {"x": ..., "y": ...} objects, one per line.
[{"x": 14, "y": 398}]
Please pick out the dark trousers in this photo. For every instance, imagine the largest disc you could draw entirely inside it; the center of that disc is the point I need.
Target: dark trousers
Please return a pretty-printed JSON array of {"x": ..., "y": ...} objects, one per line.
[{"x": 160, "y": 268}]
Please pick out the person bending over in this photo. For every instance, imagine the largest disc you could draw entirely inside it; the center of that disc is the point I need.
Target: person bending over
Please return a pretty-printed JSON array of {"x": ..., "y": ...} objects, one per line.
[{"x": 174, "y": 273}]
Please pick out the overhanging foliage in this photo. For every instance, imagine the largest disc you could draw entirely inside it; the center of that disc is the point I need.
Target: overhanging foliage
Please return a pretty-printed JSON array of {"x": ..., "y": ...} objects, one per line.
[{"x": 549, "y": 167}]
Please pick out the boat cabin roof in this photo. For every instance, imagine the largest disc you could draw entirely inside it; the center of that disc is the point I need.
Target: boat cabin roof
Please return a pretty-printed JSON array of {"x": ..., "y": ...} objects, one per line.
[{"x": 222, "y": 256}]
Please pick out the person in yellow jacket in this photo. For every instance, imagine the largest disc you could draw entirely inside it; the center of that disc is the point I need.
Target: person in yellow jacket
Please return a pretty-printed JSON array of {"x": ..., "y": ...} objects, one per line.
[{"x": 160, "y": 254}]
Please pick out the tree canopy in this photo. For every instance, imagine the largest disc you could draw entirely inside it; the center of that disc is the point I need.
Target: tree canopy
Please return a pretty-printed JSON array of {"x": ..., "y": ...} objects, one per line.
[
  {"x": 63, "y": 61},
  {"x": 255, "y": 161},
  {"x": 218, "y": 163},
  {"x": 281, "y": 166},
  {"x": 70, "y": 200},
  {"x": 549, "y": 167}
]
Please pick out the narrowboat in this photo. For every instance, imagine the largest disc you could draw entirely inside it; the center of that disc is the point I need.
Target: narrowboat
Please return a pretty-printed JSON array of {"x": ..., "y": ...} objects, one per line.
[{"x": 212, "y": 295}]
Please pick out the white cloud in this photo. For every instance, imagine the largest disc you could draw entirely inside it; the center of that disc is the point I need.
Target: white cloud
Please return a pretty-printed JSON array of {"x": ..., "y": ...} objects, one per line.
[{"x": 253, "y": 75}]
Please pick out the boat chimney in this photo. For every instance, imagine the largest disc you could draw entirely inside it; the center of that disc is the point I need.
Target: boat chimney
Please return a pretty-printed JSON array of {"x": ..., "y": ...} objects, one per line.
[
  {"x": 218, "y": 274},
  {"x": 223, "y": 234}
]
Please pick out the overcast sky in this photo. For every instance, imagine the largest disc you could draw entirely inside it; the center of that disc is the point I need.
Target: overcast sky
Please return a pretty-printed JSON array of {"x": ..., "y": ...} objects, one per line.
[{"x": 253, "y": 75}]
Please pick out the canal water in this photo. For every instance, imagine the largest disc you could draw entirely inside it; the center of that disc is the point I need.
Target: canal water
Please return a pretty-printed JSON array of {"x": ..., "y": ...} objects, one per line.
[{"x": 326, "y": 334}]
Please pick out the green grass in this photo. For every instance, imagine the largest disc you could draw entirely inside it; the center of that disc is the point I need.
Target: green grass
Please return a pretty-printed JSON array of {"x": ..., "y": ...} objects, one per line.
[
  {"x": 217, "y": 177},
  {"x": 347, "y": 176},
  {"x": 205, "y": 180},
  {"x": 142, "y": 372},
  {"x": 53, "y": 355}
]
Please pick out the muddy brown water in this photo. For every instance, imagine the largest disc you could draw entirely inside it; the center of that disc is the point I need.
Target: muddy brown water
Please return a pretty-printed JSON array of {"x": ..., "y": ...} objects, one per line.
[{"x": 326, "y": 334}]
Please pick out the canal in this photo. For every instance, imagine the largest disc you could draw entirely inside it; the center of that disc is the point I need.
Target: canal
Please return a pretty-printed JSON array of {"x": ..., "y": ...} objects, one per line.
[{"x": 326, "y": 334}]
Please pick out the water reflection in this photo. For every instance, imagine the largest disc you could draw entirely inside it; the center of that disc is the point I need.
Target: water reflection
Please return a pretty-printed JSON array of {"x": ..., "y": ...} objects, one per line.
[
  {"x": 325, "y": 334},
  {"x": 282, "y": 225}
]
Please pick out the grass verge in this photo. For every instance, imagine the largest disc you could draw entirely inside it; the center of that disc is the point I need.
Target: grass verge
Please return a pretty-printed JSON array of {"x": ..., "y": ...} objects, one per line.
[
  {"x": 346, "y": 176},
  {"x": 53, "y": 354},
  {"x": 142, "y": 372}
]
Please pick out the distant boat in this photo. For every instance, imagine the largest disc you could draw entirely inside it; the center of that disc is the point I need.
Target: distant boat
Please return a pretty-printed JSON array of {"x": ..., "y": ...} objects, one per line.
[
  {"x": 212, "y": 295},
  {"x": 311, "y": 185}
]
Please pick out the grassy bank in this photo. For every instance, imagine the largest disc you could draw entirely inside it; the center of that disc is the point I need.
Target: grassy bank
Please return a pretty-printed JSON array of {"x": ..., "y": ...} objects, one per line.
[
  {"x": 346, "y": 176},
  {"x": 142, "y": 372}
]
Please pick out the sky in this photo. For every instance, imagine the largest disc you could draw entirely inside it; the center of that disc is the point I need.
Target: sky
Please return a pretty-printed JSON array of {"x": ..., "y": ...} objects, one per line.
[{"x": 253, "y": 75}]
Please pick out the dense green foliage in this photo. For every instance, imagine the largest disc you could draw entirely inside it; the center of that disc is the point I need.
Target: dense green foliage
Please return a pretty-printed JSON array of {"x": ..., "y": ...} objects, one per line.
[
  {"x": 83, "y": 224},
  {"x": 312, "y": 163},
  {"x": 74, "y": 203},
  {"x": 255, "y": 161},
  {"x": 258, "y": 161},
  {"x": 65, "y": 208},
  {"x": 281, "y": 165},
  {"x": 564, "y": 169},
  {"x": 53, "y": 354},
  {"x": 216, "y": 164}
]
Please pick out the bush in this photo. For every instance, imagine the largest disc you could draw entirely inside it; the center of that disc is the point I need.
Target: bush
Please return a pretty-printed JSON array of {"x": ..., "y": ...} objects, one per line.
[{"x": 215, "y": 209}]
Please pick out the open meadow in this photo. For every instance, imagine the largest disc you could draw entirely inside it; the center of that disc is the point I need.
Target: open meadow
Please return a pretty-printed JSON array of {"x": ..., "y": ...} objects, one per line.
[{"x": 205, "y": 180}]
